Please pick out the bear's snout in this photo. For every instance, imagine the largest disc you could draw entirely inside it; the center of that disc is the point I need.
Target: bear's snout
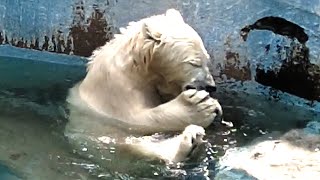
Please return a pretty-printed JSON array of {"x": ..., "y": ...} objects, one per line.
[{"x": 200, "y": 85}]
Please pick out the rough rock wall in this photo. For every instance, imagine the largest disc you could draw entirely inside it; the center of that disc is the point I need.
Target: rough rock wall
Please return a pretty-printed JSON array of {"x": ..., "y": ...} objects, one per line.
[{"x": 79, "y": 26}]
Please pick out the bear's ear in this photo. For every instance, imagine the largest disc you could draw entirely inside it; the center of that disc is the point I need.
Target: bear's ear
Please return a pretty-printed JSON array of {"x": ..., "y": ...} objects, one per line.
[
  {"x": 150, "y": 34},
  {"x": 157, "y": 27},
  {"x": 174, "y": 15}
]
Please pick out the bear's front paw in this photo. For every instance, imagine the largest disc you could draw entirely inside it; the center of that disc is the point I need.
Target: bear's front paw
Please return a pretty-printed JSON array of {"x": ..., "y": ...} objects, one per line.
[
  {"x": 193, "y": 134},
  {"x": 202, "y": 107},
  {"x": 190, "y": 141}
]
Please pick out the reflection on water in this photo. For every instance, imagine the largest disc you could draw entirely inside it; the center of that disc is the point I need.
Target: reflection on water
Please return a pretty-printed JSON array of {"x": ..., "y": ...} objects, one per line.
[{"x": 33, "y": 145}]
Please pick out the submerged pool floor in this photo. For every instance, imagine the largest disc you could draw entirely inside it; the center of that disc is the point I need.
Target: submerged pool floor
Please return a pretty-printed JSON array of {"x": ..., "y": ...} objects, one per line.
[{"x": 33, "y": 145}]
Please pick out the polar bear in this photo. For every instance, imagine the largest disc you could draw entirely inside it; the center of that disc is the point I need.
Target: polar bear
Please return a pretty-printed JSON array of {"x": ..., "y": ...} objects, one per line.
[{"x": 151, "y": 78}]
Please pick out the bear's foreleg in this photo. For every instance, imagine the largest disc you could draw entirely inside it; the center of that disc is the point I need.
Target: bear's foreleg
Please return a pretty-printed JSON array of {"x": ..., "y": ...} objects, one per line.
[{"x": 190, "y": 107}]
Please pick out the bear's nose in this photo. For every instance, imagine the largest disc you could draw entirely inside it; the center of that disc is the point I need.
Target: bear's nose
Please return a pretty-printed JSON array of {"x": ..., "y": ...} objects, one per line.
[
  {"x": 189, "y": 86},
  {"x": 201, "y": 86},
  {"x": 210, "y": 88}
]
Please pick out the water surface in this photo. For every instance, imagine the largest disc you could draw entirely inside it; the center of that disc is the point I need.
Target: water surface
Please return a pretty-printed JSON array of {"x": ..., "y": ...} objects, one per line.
[{"x": 33, "y": 145}]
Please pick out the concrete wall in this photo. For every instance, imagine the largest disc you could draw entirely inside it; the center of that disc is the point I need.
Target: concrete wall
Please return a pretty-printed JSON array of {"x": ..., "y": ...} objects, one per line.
[{"x": 79, "y": 26}]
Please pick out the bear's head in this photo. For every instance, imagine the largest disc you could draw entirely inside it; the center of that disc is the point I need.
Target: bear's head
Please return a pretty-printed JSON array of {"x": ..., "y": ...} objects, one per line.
[{"x": 174, "y": 51}]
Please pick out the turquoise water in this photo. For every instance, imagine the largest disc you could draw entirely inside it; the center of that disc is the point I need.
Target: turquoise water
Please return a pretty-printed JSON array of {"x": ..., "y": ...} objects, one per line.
[
  {"x": 33, "y": 115},
  {"x": 33, "y": 145},
  {"x": 6, "y": 174}
]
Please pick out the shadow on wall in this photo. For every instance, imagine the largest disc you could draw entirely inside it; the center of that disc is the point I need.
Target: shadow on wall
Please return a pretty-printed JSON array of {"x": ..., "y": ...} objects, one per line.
[{"x": 85, "y": 35}]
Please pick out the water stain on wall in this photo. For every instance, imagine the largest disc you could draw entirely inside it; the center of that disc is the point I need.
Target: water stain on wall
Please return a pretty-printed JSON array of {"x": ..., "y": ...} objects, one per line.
[
  {"x": 91, "y": 33},
  {"x": 277, "y": 25},
  {"x": 297, "y": 75},
  {"x": 234, "y": 66},
  {"x": 232, "y": 70},
  {"x": 85, "y": 34}
]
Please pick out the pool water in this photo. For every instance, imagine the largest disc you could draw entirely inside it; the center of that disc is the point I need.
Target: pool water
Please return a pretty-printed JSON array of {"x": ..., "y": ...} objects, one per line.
[
  {"x": 6, "y": 174},
  {"x": 33, "y": 145}
]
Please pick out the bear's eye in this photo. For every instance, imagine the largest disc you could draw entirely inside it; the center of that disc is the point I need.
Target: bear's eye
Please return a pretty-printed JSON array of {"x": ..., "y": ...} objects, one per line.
[
  {"x": 195, "y": 62},
  {"x": 195, "y": 65}
]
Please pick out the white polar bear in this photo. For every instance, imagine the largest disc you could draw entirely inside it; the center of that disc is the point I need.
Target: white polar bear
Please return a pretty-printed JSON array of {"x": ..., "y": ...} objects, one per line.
[{"x": 153, "y": 77}]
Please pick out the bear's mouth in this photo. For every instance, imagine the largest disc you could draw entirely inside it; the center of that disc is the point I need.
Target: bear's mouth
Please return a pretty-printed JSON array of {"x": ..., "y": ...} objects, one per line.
[{"x": 164, "y": 97}]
